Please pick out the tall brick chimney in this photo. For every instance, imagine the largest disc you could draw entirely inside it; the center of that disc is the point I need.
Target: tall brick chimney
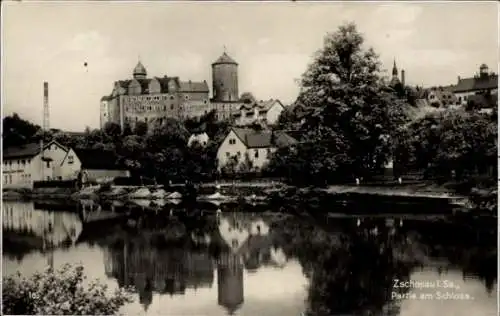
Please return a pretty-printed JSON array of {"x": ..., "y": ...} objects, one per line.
[{"x": 403, "y": 77}]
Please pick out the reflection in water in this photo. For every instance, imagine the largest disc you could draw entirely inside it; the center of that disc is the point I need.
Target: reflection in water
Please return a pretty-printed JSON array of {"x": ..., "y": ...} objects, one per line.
[
  {"x": 52, "y": 229},
  {"x": 242, "y": 263}
]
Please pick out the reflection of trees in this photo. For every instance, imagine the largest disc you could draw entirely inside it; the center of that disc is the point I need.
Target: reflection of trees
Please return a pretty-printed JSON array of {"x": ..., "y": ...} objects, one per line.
[
  {"x": 351, "y": 269},
  {"x": 26, "y": 228}
]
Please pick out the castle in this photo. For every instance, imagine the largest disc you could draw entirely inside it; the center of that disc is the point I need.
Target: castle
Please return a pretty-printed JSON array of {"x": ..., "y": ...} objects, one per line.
[{"x": 153, "y": 100}]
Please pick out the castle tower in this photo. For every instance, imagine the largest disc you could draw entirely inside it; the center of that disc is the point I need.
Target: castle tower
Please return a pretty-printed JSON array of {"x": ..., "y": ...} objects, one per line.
[
  {"x": 225, "y": 79},
  {"x": 140, "y": 71}
]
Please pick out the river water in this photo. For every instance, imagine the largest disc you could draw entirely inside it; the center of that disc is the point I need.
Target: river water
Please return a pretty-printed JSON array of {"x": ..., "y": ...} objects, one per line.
[{"x": 261, "y": 260}]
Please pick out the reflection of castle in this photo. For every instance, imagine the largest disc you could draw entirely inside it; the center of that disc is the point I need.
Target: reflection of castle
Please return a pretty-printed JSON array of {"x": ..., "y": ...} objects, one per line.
[
  {"x": 249, "y": 245},
  {"x": 53, "y": 228},
  {"x": 150, "y": 269}
]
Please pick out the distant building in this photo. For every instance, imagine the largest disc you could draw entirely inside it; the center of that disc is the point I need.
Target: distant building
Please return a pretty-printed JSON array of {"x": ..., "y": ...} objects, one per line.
[
  {"x": 442, "y": 97},
  {"x": 395, "y": 80},
  {"x": 22, "y": 165},
  {"x": 94, "y": 164},
  {"x": 257, "y": 145},
  {"x": 200, "y": 138},
  {"x": 483, "y": 83},
  {"x": 152, "y": 100},
  {"x": 264, "y": 111}
]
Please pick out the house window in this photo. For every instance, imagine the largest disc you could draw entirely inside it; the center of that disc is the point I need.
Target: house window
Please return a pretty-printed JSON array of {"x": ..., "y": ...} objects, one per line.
[
  {"x": 48, "y": 164},
  {"x": 70, "y": 159},
  {"x": 186, "y": 97},
  {"x": 256, "y": 153},
  {"x": 238, "y": 154},
  {"x": 171, "y": 106},
  {"x": 268, "y": 152},
  {"x": 10, "y": 178},
  {"x": 205, "y": 101},
  {"x": 171, "y": 97},
  {"x": 228, "y": 154},
  {"x": 232, "y": 141},
  {"x": 5, "y": 178},
  {"x": 59, "y": 178}
]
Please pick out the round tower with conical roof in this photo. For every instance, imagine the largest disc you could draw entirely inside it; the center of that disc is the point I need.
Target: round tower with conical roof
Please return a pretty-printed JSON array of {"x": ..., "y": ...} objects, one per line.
[
  {"x": 225, "y": 79},
  {"x": 140, "y": 71}
]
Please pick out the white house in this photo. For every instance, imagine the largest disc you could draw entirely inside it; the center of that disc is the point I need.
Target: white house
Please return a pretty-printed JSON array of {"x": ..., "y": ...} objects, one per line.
[
  {"x": 257, "y": 145},
  {"x": 485, "y": 82},
  {"x": 201, "y": 138},
  {"x": 27, "y": 163},
  {"x": 265, "y": 111}
]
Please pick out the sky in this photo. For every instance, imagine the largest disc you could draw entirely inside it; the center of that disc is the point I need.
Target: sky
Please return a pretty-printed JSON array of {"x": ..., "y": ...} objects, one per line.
[{"x": 273, "y": 43}]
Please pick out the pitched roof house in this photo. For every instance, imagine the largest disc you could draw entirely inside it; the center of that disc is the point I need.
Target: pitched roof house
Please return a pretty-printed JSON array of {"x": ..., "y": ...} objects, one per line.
[
  {"x": 266, "y": 111},
  {"x": 255, "y": 145}
]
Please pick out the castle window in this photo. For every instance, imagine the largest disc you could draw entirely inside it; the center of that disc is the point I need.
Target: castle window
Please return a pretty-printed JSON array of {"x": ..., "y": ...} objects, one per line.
[
  {"x": 148, "y": 98},
  {"x": 171, "y": 106},
  {"x": 205, "y": 101},
  {"x": 186, "y": 97},
  {"x": 171, "y": 97},
  {"x": 146, "y": 119}
]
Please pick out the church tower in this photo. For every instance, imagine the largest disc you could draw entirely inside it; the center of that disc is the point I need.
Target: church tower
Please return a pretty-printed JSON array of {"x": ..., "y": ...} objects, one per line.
[
  {"x": 225, "y": 79},
  {"x": 395, "y": 77}
]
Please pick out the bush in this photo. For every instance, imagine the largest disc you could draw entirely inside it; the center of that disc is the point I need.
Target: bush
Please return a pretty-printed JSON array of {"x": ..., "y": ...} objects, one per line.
[{"x": 59, "y": 292}]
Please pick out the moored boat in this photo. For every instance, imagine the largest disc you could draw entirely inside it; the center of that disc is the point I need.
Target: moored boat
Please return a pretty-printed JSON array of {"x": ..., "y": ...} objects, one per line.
[{"x": 141, "y": 193}]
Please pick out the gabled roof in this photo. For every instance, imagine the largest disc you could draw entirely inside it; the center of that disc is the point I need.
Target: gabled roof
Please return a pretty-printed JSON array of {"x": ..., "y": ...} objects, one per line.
[
  {"x": 261, "y": 105},
  {"x": 476, "y": 83},
  {"x": 27, "y": 150},
  {"x": 97, "y": 159},
  {"x": 264, "y": 138},
  {"x": 225, "y": 59},
  {"x": 193, "y": 86}
]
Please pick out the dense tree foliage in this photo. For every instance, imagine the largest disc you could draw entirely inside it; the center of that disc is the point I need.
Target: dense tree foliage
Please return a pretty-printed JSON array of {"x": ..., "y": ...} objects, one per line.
[
  {"x": 352, "y": 113},
  {"x": 159, "y": 151},
  {"x": 451, "y": 144},
  {"x": 59, "y": 292},
  {"x": 17, "y": 131}
]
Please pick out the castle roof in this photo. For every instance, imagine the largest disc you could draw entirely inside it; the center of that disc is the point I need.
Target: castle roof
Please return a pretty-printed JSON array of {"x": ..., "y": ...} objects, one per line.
[
  {"x": 225, "y": 59},
  {"x": 182, "y": 86},
  {"x": 140, "y": 69}
]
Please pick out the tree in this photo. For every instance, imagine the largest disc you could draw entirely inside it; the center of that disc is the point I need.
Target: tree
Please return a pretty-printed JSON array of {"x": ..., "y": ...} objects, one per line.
[
  {"x": 112, "y": 129},
  {"x": 141, "y": 128},
  {"x": 353, "y": 114},
  {"x": 247, "y": 97},
  {"x": 17, "y": 131},
  {"x": 59, "y": 292}
]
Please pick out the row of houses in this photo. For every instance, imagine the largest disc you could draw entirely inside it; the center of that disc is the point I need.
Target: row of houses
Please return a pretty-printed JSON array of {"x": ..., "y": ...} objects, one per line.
[{"x": 26, "y": 164}]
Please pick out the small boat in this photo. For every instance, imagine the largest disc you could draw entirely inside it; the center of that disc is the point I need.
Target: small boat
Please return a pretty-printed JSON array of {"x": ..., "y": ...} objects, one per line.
[
  {"x": 175, "y": 201},
  {"x": 141, "y": 193},
  {"x": 216, "y": 197},
  {"x": 142, "y": 202},
  {"x": 159, "y": 194},
  {"x": 255, "y": 198},
  {"x": 115, "y": 192},
  {"x": 174, "y": 196}
]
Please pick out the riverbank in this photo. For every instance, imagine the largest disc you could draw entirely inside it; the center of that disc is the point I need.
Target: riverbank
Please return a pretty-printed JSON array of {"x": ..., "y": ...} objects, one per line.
[{"x": 268, "y": 188}]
